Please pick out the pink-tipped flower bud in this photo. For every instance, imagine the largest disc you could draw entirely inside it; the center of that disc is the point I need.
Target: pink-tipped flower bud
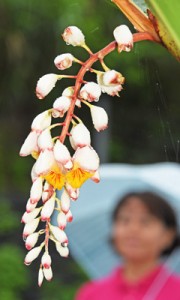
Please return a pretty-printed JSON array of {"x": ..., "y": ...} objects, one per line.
[
  {"x": 87, "y": 158},
  {"x": 61, "y": 220},
  {"x": 48, "y": 191},
  {"x": 28, "y": 217},
  {"x": 65, "y": 202},
  {"x": 112, "y": 77},
  {"x": 99, "y": 117},
  {"x": 72, "y": 192},
  {"x": 59, "y": 234},
  {"x": 36, "y": 190},
  {"x": 80, "y": 136},
  {"x": 62, "y": 105},
  {"x": 45, "y": 162},
  {"x": 48, "y": 208},
  {"x": 73, "y": 36},
  {"x": 29, "y": 206},
  {"x": 63, "y": 251},
  {"x": 96, "y": 177},
  {"x": 45, "y": 140},
  {"x": 30, "y": 144},
  {"x": 64, "y": 61},
  {"x": 45, "y": 84},
  {"x": 30, "y": 227},
  {"x": 111, "y": 89},
  {"x": 46, "y": 260},
  {"x": 31, "y": 240},
  {"x": 32, "y": 255},
  {"x": 40, "y": 277},
  {"x": 48, "y": 274},
  {"x": 69, "y": 216},
  {"x": 91, "y": 91},
  {"x": 61, "y": 153},
  {"x": 124, "y": 38},
  {"x": 41, "y": 121}
]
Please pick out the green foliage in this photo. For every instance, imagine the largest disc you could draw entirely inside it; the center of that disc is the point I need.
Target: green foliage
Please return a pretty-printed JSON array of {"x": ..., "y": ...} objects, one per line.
[
  {"x": 167, "y": 23},
  {"x": 13, "y": 275},
  {"x": 9, "y": 220}
]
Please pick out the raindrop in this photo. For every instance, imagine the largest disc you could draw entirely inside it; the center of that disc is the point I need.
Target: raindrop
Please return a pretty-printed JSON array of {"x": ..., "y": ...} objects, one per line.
[{"x": 27, "y": 264}]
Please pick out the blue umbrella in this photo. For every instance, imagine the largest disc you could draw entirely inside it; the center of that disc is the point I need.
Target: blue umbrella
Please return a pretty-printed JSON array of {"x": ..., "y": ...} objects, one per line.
[{"x": 91, "y": 227}]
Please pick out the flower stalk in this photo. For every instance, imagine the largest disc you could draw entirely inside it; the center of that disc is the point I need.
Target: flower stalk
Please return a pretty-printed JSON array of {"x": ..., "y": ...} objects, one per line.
[{"x": 55, "y": 168}]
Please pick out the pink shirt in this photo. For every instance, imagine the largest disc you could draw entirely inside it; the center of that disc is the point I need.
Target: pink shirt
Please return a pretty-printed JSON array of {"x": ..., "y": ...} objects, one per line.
[{"x": 160, "y": 284}]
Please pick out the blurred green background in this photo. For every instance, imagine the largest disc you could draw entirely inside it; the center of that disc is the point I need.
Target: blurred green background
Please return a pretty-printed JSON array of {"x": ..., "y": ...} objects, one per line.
[{"x": 144, "y": 122}]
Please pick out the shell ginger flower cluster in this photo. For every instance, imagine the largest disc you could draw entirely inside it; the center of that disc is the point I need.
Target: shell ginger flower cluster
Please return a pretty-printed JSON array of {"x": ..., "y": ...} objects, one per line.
[{"x": 55, "y": 166}]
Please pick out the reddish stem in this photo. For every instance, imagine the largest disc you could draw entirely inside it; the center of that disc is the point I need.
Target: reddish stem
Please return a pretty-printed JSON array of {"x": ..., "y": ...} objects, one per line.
[
  {"x": 46, "y": 236},
  {"x": 137, "y": 37}
]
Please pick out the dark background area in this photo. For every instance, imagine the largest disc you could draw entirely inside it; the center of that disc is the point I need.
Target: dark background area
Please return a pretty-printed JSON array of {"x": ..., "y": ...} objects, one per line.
[{"x": 144, "y": 122}]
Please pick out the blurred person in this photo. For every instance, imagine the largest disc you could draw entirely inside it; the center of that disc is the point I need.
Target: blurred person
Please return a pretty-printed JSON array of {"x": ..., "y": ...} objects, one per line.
[{"x": 144, "y": 230}]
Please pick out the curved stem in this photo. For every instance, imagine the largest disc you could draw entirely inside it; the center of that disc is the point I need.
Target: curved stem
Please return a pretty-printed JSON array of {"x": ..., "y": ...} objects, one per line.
[{"x": 137, "y": 37}]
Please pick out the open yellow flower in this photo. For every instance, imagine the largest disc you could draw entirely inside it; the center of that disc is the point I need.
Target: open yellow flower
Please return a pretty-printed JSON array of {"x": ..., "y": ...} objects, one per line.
[
  {"x": 85, "y": 164},
  {"x": 56, "y": 178},
  {"x": 77, "y": 176}
]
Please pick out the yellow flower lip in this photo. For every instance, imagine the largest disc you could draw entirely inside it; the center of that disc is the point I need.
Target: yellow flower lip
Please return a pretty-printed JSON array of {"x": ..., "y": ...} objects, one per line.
[
  {"x": 56, "y": 179},
  {"x": 77, "y": 176}
]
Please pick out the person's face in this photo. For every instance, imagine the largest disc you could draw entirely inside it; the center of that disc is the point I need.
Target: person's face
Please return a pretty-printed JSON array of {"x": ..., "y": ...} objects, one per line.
[{"x": 137, "y": 234}]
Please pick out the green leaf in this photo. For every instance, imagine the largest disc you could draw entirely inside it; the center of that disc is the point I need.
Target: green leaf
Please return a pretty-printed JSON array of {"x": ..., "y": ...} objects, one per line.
[{"x": 167, "y": 23}]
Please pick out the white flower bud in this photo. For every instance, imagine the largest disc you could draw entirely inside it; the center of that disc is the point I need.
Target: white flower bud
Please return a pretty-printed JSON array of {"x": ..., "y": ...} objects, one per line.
[
  {"x": 48, "y": 191},
  {"x": 45, "y": 84},
  {"x": 63, "y": 251},
  {"x": 124, "y": 38},
  {"x": 30, "y": 144},
  {"x": 96, "y": 177},
  {"x": 68, "y": 92},
  {"x": 73, "y": 36},
  {"x": 31, "y": 240},
  {"x": 59, "y": 234},
  {"x": 87, "y": 158},
  {"x": 61, "y": 220},
  {"x": 45, "y": 162},
  {"x": 40, "y": 277},
  {"x": 112, "y": 77},
  {"x": 34, "y": 176},
  {"x": 41, "y": 121},
  {"x": 64, "y": 61},
  {"x": 110, "y": 89},
  {"x": 99, "y": 117},
  {"x": 61, "y": 153},
  {"x": 30, "y": 206},
  {"x": 65, "y": 202},
  {"x": 68, "y": 165},
  {"x": 28, "y": 217},
  {"x": 32, "y": 255},
  {"x": 80, "y": 136},
  {"x": 72, "y": 192},
  {"x": 45, "y": 140},
  {"x": 62, "y": 104},
  {"x": 46, "y": 260},
  {"x": 91, "y": 91},
  {"x": 69, "y": 216},
  {"x": 48, "y": 208},
  {"x": 30, "y": 227},
  {"x": 56, "y": 114},
  {"x": 36, "y": 190},
  {"x": 48, "y": 274}
]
